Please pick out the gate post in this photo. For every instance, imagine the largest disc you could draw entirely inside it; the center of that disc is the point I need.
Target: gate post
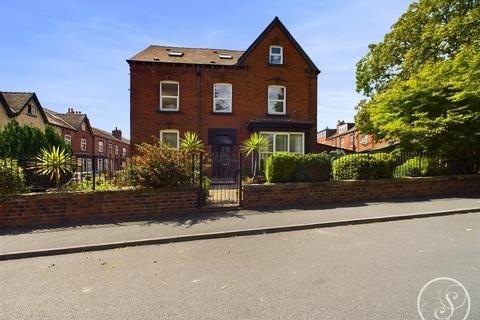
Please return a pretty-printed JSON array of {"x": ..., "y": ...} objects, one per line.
[
  {"x": 200, "y": 182},
  {"x": 240, "y": 178}
]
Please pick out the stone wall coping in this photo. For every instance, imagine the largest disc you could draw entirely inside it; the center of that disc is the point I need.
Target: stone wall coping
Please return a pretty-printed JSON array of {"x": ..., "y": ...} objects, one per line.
[{"x": 289, "y": 185}]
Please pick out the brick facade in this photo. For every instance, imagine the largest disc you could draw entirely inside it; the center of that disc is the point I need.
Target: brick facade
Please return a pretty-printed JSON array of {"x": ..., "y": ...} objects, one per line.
[
  {"x": 43, "y": 209},
  {"x": 249, "y": 77},
  {"x": 350, "y": 139},
  {"x": 291, "y": 194}
]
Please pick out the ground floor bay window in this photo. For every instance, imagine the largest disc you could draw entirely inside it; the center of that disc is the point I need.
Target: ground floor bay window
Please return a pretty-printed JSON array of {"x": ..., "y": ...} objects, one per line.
[{"x": 293, "y": 142}]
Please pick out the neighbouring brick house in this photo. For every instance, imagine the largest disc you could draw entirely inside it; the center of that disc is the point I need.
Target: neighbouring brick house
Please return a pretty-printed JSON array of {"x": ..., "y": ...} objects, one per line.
[
  {"x": 225, "y": 95},
  {"x": 347, "y": 137},
  {"x": 111, "y": 150}
]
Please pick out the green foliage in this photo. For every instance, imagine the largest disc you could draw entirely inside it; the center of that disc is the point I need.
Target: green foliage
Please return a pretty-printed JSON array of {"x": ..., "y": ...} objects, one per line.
[
  {"x": 252, "y": 146},
  {"x": 87, "y": 185},
  {"x": 206, "y": 185},
  {"x": 25, "y": 142},
  {"x": 364, "y": 166},
  {"x": 192, "y": 143},
  {"x": 159, "y": 166},
  {"x": 289, "y": 167},
  {"x": 423, "y": 81},
  {"x": 55, "y": 164},
  {"x": 280, "y": 167},
  {"x": 12, "y": 179},
  {"x": 421, "y": 167}
]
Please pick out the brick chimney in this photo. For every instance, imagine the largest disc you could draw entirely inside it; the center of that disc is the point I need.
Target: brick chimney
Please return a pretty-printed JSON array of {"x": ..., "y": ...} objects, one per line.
[{"x": 117, "y": 133}]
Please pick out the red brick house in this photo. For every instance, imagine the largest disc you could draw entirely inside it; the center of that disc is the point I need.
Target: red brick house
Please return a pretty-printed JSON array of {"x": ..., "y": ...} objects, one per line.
[
  {"x": 347, "y": 137},
  {"x": 111, "y": 150},
  {"x": 225, "y": 95}
]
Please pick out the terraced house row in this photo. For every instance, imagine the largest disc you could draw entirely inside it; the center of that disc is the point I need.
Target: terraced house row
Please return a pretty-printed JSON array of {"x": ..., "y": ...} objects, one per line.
[{"x": 110, "y": 151}]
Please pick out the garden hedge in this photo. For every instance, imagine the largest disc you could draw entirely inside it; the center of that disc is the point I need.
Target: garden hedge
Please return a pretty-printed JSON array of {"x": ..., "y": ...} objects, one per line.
[
  {"x": 421, "y": 167},
  {"x": 289, "y": 167},
  {"x": 364, "y": 166},
  {"x": 12, "y": 178}
]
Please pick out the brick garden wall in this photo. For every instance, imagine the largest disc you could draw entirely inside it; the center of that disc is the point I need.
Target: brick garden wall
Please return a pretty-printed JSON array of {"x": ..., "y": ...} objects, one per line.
[
  {"x": 41, "y": 209},
  {"x": 290, "y": 194}
]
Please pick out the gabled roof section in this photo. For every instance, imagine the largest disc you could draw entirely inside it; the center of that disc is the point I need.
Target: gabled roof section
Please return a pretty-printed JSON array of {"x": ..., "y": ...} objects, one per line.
[
  {"x": 276, "y": 22},
  {"x": 108, "y": 135},
  {"x": 55, "y": 120},
  {"x": 15, "y": 102},
  {"x": 188, "y": 55}
]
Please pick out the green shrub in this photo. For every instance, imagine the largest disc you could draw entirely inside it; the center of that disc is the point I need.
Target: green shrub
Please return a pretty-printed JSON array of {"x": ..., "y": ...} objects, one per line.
[
  {"x": 364, "y": 166},
  {"x": 313, "y": 167},
  {"x": 280, "y": 167},
  {"x": 159, "y": 166},
  {"x": 421, "y": 167},
  {"x": 12, "y": 178},
  {"x": 289, "y": 167}
]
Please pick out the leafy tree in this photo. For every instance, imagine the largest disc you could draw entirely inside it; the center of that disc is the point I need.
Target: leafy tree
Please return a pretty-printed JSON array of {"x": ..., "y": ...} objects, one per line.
[
  {"x": 422, "y": 83},
  {"x": 192, "y": 143},
  {"x": 26, "y": 142}
]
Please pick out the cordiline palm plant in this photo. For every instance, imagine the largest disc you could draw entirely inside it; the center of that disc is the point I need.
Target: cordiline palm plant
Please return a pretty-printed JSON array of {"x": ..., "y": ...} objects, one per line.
[
  {"x": 192, "y": 143},
  {"x": 252, "y": 146},
  {"x": 54, "y": 163}
]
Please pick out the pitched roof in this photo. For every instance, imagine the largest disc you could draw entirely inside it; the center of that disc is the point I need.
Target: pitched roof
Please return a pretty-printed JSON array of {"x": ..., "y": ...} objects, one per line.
[
  {"x": 17, "y": 100},
  {"x": 55, "y": 120},
  {"x": 189, "y": 55},
  {"x": 108, "y": 135},
  {"x": 73, "y": 119},
  {"x": 207, "y": 56},
  {"x": 14, "y": 102},
  {"x": 276, "y": 22}
]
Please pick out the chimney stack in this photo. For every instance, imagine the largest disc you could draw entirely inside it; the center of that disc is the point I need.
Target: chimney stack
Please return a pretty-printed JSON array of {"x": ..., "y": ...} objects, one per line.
[{"x": 117, "y": 133}]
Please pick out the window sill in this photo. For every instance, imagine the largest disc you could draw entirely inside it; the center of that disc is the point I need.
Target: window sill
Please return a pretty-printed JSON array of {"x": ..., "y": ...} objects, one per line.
[
  {"x": 222, "y": 113},
  {"x": 168, "y": 111},
  {"x": 276, "y": 65},
  {"x": 276, "y": 114}
]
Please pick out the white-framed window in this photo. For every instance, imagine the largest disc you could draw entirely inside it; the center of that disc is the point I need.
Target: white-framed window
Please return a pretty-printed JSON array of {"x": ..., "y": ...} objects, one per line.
[
  {"x": 110, "y": 148},
  {"x": 124, "y": 152},
  {"x": 352, "y": 138},
  {"x": 276, "y": 55},
  {"x": 31, "y": 109},
  {"x": 170, "y": 137},
  {"x": 293, "y": 142},
  {"x": 169, "y": 95},
  {"x": 83, "y": 144},
  {"x": 277, "y": 100},
  {"x": 100, "y": 146},
  {"x": 364, "y": 139},
  {"x": 116, "y": 150},
  {"x": 222, "y": 97},
  {"x": 68, "y": 139},
  {"x": 100, "y": 165},
  {"x": 341, "y": 142},
  {"x": 343, "y": 128},
  {"x": 84, "y": 126}
]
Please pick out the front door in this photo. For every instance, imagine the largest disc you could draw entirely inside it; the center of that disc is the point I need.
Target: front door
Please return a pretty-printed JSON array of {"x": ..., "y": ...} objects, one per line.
[{"x": 223, "y": 162}]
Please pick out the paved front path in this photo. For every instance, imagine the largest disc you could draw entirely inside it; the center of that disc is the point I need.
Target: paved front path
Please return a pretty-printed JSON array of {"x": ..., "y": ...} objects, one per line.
[
  {"x": 363, "y": 272},
  {"x": 219, "y": 221}
]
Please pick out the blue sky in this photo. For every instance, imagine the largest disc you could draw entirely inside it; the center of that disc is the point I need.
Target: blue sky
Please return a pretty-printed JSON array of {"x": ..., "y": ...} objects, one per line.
[{"x": 72, "y": 53}]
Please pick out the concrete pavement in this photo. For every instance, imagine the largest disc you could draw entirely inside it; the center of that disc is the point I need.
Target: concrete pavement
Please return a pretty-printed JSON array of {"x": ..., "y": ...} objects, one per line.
[
  {"x": 211, "y": 222},
  {"x": 372, "y": 271}
]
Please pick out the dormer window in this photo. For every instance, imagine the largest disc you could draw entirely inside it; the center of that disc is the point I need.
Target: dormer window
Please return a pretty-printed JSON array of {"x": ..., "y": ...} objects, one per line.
[
  {"x": 31, "y": 109},
  {"x": 343, "y": 128},
  {"x": 84, "y": 126},
  {"x": 276, "y": 55}
]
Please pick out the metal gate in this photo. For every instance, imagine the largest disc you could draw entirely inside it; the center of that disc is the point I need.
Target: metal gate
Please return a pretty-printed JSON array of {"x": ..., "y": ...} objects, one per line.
[{"x": 222, "y": 185}]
